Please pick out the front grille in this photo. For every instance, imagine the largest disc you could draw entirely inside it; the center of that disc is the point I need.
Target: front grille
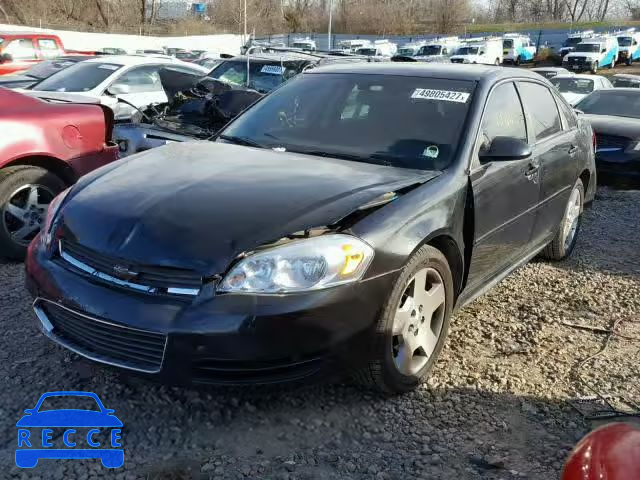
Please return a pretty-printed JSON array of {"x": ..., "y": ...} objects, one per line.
[
  {"x": 104, "y": 341},
  {"x": 611, "y": 142},
  {"x": 577, "y": 59},
  {"x": 150, "y": 279},
  {"x": 457, "y": 60},
  {"x": 238, "y": 372}
]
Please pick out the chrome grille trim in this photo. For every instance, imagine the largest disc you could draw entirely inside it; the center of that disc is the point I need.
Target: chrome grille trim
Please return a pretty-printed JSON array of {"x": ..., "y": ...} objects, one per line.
[{"x": 123, "y": 283}]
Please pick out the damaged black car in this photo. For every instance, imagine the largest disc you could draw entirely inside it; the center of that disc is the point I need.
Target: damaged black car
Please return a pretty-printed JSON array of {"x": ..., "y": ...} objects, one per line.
[{"x": 331, "y": 229}]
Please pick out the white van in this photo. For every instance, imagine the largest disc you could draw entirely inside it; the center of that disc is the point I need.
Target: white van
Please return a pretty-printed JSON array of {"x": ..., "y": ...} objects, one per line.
[
  {"x": 439, "y": 50},
  {"x": 350, "y": 46},
  {"x": 592, "y": 54},
  {"x": 487, "y": 51},
  {"x": 629, "y": 45},
  {"x": 380, "y": 48},
  {"x": 410, "y": 49},
  {"x": 517, "y": 48},
  {"x": 574, "y": 39},
  {"x": 304, "y": 44}
]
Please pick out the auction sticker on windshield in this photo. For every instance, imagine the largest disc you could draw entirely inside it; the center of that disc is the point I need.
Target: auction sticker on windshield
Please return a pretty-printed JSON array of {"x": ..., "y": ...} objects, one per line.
[
  {"x": 444, "y": 95},
  {"x": 272, "y": 69}
]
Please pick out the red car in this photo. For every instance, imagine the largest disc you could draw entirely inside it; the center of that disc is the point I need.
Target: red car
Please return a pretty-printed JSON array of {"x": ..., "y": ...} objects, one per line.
[
  {"x": 44, "y": 148},
  {"x": 20, "y": 50}
]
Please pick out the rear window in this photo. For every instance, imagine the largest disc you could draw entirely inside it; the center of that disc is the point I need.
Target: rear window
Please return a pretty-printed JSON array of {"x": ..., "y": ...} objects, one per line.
[
  {"x": 573, "y": 85},
  {"x": 80, "y": 77},
  {"x": 507, "y": 43},
  {"x": 621, "y": 103},
  {"x": 263, "y": 77},
  {"x": 625, "y": 82}
]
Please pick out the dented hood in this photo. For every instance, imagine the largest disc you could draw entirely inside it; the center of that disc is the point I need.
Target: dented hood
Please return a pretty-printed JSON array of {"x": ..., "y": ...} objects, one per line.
[{"x": 199, "y": 205}]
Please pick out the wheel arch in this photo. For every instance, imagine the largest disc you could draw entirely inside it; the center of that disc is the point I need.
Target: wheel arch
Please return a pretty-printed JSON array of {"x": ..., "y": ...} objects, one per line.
[{"x": 54, "y": 165}]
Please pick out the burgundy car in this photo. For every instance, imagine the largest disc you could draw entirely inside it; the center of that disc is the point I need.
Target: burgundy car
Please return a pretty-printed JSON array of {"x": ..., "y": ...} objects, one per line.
[{"x": 44, "y": 148}]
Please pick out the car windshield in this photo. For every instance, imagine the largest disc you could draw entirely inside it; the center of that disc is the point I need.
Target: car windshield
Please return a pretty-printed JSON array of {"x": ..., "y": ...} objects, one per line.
[
  {"x": 618, "y": 103},
  {"x": 406, "y": 51},
  {"x": 369, "y": 52},
  {"x": 468, "y": 51},
  {"x": 407, "y": 122},
  {"x": 81, "y": 77},
  {"x": 588, "y": 47},
  {"x": 303, "y": 46},
  {"x": 625, "y": 41},
  {"x": 64, "y": 402},
  {"x": 625, "y": 82},
  {"x": 47, "y": 68},
  {"x": 573, "y": 85},
  {"x": 430, "y": 50},
  {"x": 263, "y": 77},
  {"x": 572, "y": 42},
  {"x": 507, "y": 43}
]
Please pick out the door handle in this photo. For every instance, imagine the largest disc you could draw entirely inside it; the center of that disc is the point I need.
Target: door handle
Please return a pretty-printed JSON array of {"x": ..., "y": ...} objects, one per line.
[
  {"x": 532, "y": 171},
  {"x": 573, "y": 150}
]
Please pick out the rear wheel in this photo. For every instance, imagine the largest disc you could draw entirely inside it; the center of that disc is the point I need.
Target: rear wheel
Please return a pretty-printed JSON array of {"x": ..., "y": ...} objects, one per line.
[
  {"x": 517, "y": 61},
  {"x": 565, "y": 240},
  {"x": 25, "y": 194},
  {"x": 413, "y": 325}
]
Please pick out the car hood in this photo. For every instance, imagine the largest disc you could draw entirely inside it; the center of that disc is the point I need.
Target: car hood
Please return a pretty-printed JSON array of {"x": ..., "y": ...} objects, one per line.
[
  {"x": 572, "y": 97},
  {"x": 611, "y": 125},
  {"x": 69, "y": 418},
  {"x": 198, "y": 205}
]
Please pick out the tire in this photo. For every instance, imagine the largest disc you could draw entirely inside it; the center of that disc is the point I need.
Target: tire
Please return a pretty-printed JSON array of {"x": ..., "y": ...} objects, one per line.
[
  {"x": 594, "y": 69},
  {"x": 517, "y": 61},
  {"x": 383, "y": 371},
  {"x": 561, "y": 246},
  {"x": 628, "y": 61},
  {"x": 16, "y": 184},
  {"x": 497, "y": 62}
]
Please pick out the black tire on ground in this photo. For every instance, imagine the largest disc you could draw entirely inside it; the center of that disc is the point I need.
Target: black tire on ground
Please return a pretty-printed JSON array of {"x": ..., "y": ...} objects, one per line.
[
  {"x": 628, "y": 61},
  {"x": 11, "y": 179},
  {"x": 517, "y": 61},
  {"x": 557, "y": 250},
  {"x": 594, "y": 68},
  {"x": 381, "y": 372},
  {"x": 497, "y": 63}
]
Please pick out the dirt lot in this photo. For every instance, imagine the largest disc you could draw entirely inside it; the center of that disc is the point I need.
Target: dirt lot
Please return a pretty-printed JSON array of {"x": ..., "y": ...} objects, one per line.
[{"x": 497, "y": 406}]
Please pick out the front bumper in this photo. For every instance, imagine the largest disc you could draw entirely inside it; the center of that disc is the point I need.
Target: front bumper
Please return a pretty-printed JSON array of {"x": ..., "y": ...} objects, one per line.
[
  {"x": 578, "y": 65},
  {"x": 214, "y": 339}
]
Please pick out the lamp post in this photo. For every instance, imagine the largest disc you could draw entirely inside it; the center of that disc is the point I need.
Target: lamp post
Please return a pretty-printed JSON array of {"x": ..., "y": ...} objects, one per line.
[{"x": 330, "y": 21}]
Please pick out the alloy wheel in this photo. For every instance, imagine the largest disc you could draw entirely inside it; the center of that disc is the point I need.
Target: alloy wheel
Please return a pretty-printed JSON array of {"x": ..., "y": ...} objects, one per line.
[
  {"x": 24, "y": 213},
  {"x": 418, "y": 321},
  {"x": 572, "y": 217}
]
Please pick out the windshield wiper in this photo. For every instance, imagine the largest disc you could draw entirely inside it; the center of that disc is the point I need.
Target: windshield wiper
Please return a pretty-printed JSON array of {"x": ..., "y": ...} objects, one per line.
[
  {"x": 342, "y": 156},
  {"x": 244, "y": 141}
]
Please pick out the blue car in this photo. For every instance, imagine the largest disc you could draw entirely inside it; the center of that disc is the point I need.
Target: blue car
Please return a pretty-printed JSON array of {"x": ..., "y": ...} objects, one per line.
[{"x": 32, "y": 448}]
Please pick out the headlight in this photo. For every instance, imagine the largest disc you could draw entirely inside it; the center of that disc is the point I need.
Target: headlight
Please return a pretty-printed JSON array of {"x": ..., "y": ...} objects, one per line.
[
  {"x": 52, "y": 212},
  {"x": 309, "y": 264},
  {"x": 636, "y": 147}
]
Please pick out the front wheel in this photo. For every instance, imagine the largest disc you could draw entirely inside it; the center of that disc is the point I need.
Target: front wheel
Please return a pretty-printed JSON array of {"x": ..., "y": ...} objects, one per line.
[
  {"x": 413, "y": 326},
  {"x": 565, "y": 240},
  {"x": 517, "y": 61},
  {"x": 25, "y": 194},
  {"x": 497, "y": 62},
  {"x": 594, "y": 68}
]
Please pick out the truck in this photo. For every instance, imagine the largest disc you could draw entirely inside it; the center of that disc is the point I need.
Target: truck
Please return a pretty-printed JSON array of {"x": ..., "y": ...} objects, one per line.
[
  {"x": 592, "y": 54},
  {"x": 517, "y": 48},
  {"x": 380, "y": 48},
  {"x": 304, "y": 44},
  {"x": 486, "y": 51},
  {"x": 628, "y": 41},
  {"x": 21, "y": 50},
  {"x": 574, "y": 39}
]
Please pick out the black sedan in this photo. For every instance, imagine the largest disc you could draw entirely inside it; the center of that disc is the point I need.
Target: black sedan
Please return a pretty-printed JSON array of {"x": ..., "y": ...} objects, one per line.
[
  {"x": 40, "y": 71},
  {"x": 332, "y": 228},
  {"x": 614, "y": 115}
]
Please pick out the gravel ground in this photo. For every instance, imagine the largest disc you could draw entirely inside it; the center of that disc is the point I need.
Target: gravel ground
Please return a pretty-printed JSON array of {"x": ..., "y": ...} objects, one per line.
[{"x": 497, "y": 406}]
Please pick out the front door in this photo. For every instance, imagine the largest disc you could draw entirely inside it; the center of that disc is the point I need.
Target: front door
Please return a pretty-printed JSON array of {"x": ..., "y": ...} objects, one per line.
[{"x": 505, "y": 193}]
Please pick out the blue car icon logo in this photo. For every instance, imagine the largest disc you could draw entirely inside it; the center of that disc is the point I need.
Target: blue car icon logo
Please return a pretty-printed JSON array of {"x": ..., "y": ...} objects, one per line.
[{"x": 83, "y": 431}]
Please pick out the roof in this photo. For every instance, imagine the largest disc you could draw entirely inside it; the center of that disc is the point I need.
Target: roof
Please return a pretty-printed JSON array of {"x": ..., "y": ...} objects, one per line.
[
  {"x": 627, "y": 75},
  {"x": 579, "y": 76},
  {"x": 130, "y": 60},
  {"x": 438, "y": 70}
]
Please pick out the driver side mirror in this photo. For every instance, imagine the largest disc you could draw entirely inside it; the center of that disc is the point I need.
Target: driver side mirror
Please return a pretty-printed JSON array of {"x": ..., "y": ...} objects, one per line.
[
  {"x": 604, "y": 50},
  {"x": 118, "y": 89},
  {"x": 6, "y": 57},
  {"x": 504, "y": 149},
  {"x": 481, "y": 52}
]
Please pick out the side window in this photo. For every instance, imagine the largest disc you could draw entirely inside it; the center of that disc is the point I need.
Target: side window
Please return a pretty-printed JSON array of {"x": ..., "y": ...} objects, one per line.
[
  {"x": 141, "y": 80},
  {"x": 503, "y": 116},
  {"x": 542, "y": 112},
  {"x": 48, "y": 47},
  {"x": 445, "y": 51},
  {"x": 569, "y": 117},
  {"x": 21, "y": 49},
  {"x": 356, "y": 106}
]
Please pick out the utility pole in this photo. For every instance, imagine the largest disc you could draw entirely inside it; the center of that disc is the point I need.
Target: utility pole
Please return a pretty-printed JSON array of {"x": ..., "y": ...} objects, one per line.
[
  {"x": 330, "y": 21},
  {"x": 245, "y": 22}
]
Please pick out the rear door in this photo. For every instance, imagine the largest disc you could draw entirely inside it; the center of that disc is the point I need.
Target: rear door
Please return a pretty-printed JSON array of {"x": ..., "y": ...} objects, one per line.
[
  {"x": 505, "y": 193},
  {"x": 556, "y": 147}
]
